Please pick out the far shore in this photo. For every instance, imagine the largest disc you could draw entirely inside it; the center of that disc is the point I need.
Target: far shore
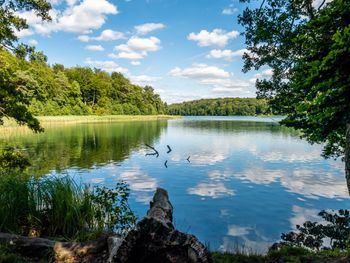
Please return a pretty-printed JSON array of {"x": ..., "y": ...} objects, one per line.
[{"x": 47, "y": 121}]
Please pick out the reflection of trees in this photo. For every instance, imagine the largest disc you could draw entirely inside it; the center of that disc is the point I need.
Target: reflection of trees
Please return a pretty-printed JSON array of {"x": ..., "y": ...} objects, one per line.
[
  {"x": 84, "y": 146},
  {"x": 222, "y": 126}
]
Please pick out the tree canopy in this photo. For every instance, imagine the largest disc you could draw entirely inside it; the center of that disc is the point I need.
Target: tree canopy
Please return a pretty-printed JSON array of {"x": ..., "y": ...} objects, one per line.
[
  {"x": 56, "y": 90},
  {"x": 220, "y": 107},
  {"x": 16, "y": 85},
  {"x": 308, "y": 49}
]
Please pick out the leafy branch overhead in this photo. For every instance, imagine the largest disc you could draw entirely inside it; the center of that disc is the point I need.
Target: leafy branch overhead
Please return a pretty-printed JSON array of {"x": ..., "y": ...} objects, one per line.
[{"x": 307, "y": 47}]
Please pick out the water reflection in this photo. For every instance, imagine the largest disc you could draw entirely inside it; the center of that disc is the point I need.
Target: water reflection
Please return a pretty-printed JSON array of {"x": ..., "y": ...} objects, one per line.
[
  {"x": 245, "y": 184},
  {"x": 213, "y": 190},
  {"x": 85, "y": 145}
]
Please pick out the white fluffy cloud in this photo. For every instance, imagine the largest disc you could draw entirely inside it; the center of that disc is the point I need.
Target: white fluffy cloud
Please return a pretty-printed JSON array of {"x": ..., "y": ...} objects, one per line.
[
  {"x": 136, "y": 48},
  {"x": 226, "y": 54},
  {"x": 220, "y": 80},
  {"x": 95, "y": 48},
  {"x": 106, "y": 35},
  {"x": 217, "y": 37},
  {"x": 200, "y": 71},
  {"x": 148, "y": 27},
  {"x": 106, "y": 65},
  {"x": 79, "y": 16}
]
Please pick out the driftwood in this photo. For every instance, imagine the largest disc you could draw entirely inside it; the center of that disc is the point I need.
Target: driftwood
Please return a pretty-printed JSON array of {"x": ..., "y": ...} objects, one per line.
[
  {"x": 155, "y": 152},
  {"x": 156, "y": 240},
  {"x": 39, "y": 248},
  {"x": 153, "y": 240}
]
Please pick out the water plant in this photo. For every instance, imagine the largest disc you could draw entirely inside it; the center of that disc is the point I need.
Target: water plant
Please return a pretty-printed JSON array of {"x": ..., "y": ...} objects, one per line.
[{"x": 59, "y": 207}]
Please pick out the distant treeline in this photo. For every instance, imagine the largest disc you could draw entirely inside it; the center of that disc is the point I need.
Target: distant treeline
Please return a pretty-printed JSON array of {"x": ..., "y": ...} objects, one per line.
[
  {"x": 221, "y": 107},
  {"x": 56, "y": 90}
]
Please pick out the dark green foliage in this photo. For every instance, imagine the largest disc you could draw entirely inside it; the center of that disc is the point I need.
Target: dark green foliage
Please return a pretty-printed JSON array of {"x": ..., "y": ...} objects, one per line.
[
  {"x": 10, "y": 21},
  {"x": 284, "y": 254},
  {"x": 16, "y": 84},
  {"x": 308, "y": 49},
  {"x": 312, "y": 235},
  {"x": 111, "y": 207},
  {"x": 12, "y": 159},
  {"x": 221, "y": 107},
  {"x": 33, "y": 87},
  {"x": 58, "y": 207}
]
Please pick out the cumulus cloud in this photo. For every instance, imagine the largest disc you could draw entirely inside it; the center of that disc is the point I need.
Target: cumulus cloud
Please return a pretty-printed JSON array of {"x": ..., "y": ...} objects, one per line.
[
  {"x": 24, "y": 33},
  {"x": 217, "y": 37},
  {"x": 220, "y": 80},
  {"x": 95, "y": 48},
  {"x": 226, "y": 54},
  {"x": 148, "y": 27},
  {"x": 108, "y": 66},
  {"x": 200, "y": 71},
  {"x": 79, "y": 17},
  {"x": 136, "y": 48},
  {"x": 106, "y": 35}
]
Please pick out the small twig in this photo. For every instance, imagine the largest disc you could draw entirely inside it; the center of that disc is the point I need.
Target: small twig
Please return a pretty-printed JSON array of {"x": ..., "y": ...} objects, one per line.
[
  {"x": 166, "y": 164},
  {"x": 169, "y": 149},
  {"x": 155, "y": 151},
  {"x": 188, "y": 159}
]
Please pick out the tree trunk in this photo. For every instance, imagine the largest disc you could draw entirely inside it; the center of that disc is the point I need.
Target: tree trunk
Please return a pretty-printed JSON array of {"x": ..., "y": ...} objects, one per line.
[{"x": 347, "y": 156}]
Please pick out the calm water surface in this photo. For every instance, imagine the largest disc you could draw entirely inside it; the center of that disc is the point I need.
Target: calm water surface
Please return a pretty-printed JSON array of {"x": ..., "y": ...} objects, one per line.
[{"x": 248, "y": 179}]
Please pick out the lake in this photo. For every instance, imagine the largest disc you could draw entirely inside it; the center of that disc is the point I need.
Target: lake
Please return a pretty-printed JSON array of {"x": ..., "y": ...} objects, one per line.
[{"x": 246, "y": 181}]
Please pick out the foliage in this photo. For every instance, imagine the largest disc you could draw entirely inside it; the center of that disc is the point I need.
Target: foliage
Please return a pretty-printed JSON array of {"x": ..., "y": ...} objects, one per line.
[
  {"x": 286, "y": 254},
  {"x": 221, "y": 107},
  {"x": 7, "y": 255},
  {"x": 307, "y": 47},
  {"x": 10, "y": 22},
  {"x": 16, "y": 84},
  {"x": 336, "y": 229},
  {"x": 57, "y": 206},
  {"x": 12, "y": 159},
  {"x": 46, "y": 90},
  {"x": 111, "y": 207}
]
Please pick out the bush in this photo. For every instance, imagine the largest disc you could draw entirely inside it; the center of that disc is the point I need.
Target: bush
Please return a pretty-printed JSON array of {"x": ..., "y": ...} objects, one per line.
[{"x": 312, "y": 234}]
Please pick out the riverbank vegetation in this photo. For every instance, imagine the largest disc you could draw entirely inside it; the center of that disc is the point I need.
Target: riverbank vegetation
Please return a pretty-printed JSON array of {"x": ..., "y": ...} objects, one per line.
[
  {"x": 61, "y": 208},
  {"x": 221, "y": 107}
]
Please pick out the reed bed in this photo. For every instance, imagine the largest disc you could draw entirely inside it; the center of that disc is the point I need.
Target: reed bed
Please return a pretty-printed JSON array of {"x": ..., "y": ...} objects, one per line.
[{"x": 59, "y": 207}]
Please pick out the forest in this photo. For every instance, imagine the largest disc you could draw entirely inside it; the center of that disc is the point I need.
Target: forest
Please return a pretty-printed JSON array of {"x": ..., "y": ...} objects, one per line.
[
  {"x": 221, "y": 107},
  {"x": 56, "y": 90}
]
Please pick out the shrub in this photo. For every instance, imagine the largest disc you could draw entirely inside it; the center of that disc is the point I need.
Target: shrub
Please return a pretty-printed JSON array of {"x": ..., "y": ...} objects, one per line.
[{"x": 311, "y": 235}]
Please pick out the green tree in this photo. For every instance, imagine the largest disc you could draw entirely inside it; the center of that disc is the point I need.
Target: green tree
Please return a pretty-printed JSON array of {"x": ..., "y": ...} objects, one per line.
[
  {"x": 308, "y": 49},
  {"x": 16, "y": 84}
]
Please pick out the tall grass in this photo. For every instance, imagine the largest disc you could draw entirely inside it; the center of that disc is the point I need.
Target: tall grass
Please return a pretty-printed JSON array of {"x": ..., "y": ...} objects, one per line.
[{"x": 58, "y": 207}]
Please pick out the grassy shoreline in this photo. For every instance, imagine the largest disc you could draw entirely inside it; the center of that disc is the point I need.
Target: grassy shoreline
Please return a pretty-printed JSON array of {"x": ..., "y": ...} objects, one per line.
[{"x": 47, "y": 121}]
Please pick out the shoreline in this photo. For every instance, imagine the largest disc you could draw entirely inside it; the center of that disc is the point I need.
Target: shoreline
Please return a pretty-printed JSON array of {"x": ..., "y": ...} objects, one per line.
[{"x": 48, "y": 121}]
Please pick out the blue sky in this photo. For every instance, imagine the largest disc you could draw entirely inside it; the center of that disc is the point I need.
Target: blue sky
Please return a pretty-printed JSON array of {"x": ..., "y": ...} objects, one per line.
[{"x": 185, "y": 49}]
